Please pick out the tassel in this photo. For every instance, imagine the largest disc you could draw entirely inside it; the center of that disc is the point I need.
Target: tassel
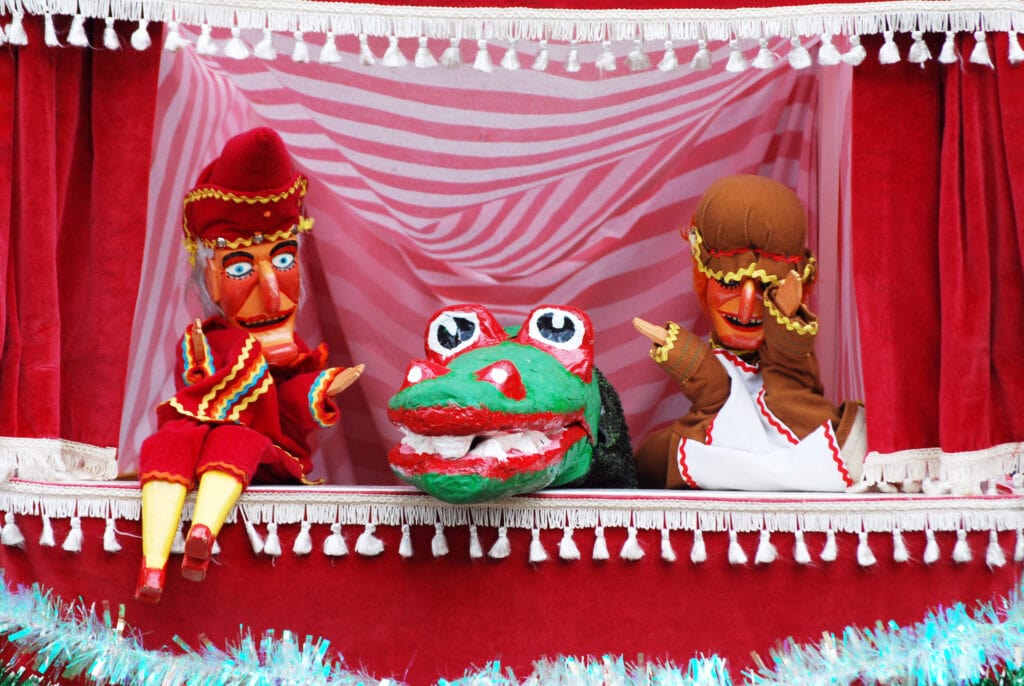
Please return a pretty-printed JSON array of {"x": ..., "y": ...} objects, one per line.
[
  {"x": 856, "y": 54},
  {"x": 140, "y": 36},
  {"x": 606, "y": 60},
  {"x": 11, "y": 534},
  {"x": 272, "y": 546},
  {"x": 919, "y": 52},
  {"x": 737, "y": 62},
  {"x": 483, "y": 58},
  {"x": 235, "y": 48},
  {"x": 765, "y": 58},
  {"x": 994, "y": 556},
  {"x": 366, "y": 57},
  {"x": 600, "y": 551},
  {"x": 300, "y": 53},
  {"x": 393, "y": 56},
  {"x": 110, "y": 542},
  {"x": 175, "y": 41},
  {"x": 865, "y": 556},
  {"x": 424, "y": 59},
  {"x": 1018, "y": 548},
  {"x": 16, "y": 34},
  {"x": 368, "y": 544},
  {"x": 303, "y": 544},
  {"x": 110, "y": 41},
  {"x": 701, "y": 59},
  {"x": 73, "y": 543},
  {"x": 206, "y": 45},
  {"x": 1016, "y": 53},
  {"x": 265, "y": 48},
  {"x": 334, "y": 545},
  {"x": 540, "y": 63},
  {"x": 631, "y": 549},
  {"x": 961, "y": 551},
  {"x": 889, "y": 53},
  {"x": 46, "y": 536},
  {"x": 948, "y": 53},
  {"x": 178, "y": 544},
  {"x": 511, "y": 59},
  {"x": 828, "y": 54},
  {"x": 670, "y": 62},
  {"x": 439, "y": 544},
  {"x": 50, "y": 33},
  {"x": 329, "y": 53},
  {"x": 254, "y": 538},
  {"x": 668, "y": 553},
  {"x": 501, "y": 548},
  {"x": 76, "y": 34},
  {"x": 931, "y": 548},
  {"x": 799, "y": 58},
  {"x": 572, "y": 62},
  {"x": 452, "y": 56},
  {"x": 476, "y": 551},
  {"x": 567, "y": 549},
  {"x": 637, "y": 59},
  {"x": 829, "y": 553},
  {"x": 405, "y": 545},
  {"x": 980, "y": 53},
  {"x": 800, "y": 552},
  {"x": 537, "y": 552},
  {"x": 899, "y": 547},
  {"x": 698, "y": 553},
  {"x": 766, "y": 550},
  {"x": 736, "y": 554}
]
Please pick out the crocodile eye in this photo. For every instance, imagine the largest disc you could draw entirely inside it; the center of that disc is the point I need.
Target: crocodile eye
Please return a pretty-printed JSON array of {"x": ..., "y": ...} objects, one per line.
[
  {"x": 451, "y": 332},
  {"x": 558, "y": 328}
]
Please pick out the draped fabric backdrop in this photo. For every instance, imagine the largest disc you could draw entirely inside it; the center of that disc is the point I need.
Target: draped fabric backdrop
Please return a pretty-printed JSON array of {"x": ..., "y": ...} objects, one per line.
[
  {"x": 938, "y": 234},
  {"x": 438, "y": 186},
  {"x": 75, "y": 132}
]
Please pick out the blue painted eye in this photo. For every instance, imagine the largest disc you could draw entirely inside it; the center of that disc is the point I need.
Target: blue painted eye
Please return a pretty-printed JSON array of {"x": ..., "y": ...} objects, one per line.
[
  {"x": 557, "y": 327},
  {"x": 283, "y": 260},
  {"x": 453, "y": 331},
  {"x": 239, "y": 270}
]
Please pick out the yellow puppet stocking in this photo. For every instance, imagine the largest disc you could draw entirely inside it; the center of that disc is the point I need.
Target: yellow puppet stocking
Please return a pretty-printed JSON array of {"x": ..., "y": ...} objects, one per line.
[
  {"x": 218, "y": 492},
  {"x": 162, "y": 502}
]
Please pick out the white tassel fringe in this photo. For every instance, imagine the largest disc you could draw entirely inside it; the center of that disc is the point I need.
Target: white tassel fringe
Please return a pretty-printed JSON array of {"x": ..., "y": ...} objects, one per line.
[
  {"x": 175, "y": 41},
  {"x": 830, "y": 552},
  {"x": 366, "y": 57},
  {"x": 948, "y": 53},
  {"x": 140, "y": 36},
  {"x": 600, "y": 551},
  {"x": 236, "y": 49},
  {"x": 637, "y": 59},
  {"x": 961, "y": 551},
  {"x": 439, "y": 544},
  {"x": 46, "y": 535},
  {"x": 980, "y": 54},
  {"x": 669, "y": 62},
  {"x": 334, "y": 545},
  {"x": 899, "y": 547},
  {"x": 889, "y": 53},
  {"x": 668, "y": 553},
  {"x": 393, "y": 56},
  {"x": 931, "y": 548},
  {"x": 572, "y": 61},
  {"x": 765, "y": 58},
  {"x": 737, "y": 62},
  {"x": 255, "y": 540},
  {"x": 537, "y": 552},
  {"x": 110, "y": 542},
  {"x": 766, "y": 551},
  {"x": 567, "y": 549},
  {"x": 272, "y": 546},
  {"x": 205, "y": 45},
  {"x": 801, "y": 555},
  {"x": 606, "y": 60},
  {"x": 452, "y": 56},
  {"x": 799, "y": 58},
  {"x": 919, "y": 52},
  {"x": 76, "y": 34},
  {"x": 476, "y": 551},
  {"x": 994, "y": 555},
  {"x": 631, "y": 549},
  {"x": 1015, "y": 54},
  {"x": 865, "y": 556},
  {"x": 11, "y": 534},
  {"x": 50, "y": 33},
  {"x": 405, "y": 545},
  {"x": 483, "y": 58},
  {"x": 424, "y": 59},
  {"x": 702, "y": 58},
  {"x": 368, "y": 544},
  {"x": 303, "y": 544},
  {"x": 856, "y": 54},
  {"x": 16, "y": 34},
  {"x": 110, "y": 41},
  {"x": 73, "y": 542},
  {"x": 736, "y": 554},
  {"x": 540, "y": 63},
  {"x": 699, "y": 552},
  {"x": 300, "y": 53},
  {"x": 828, "y": 54},
  {"x": 329, "y": 53},
  {"x": 510, "y": 61},
  {"x": 501, "y": 548}
]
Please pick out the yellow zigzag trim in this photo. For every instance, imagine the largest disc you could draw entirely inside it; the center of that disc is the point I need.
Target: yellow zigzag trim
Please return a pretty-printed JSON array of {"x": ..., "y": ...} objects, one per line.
[
  {"x": 217, "y": 194},
  {"x": 660, "y": 353},
  {"x": 752, "y": 271},
  {"x": 229, "y": 377},
  {"x": 253, "y": 395},
  {"x": 792, "y": 325}
]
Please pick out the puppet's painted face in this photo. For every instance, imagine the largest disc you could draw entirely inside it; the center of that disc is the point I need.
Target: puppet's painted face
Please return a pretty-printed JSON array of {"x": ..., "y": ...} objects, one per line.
[
  {"x": 737, "y": 313},
  {"x": 257, "y": 289}
]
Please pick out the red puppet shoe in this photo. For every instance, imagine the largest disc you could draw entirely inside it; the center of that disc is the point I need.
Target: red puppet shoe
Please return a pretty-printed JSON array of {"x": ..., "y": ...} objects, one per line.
[
  {"x": 150, "y": 584},
  {"x": 198, "y": 547}
]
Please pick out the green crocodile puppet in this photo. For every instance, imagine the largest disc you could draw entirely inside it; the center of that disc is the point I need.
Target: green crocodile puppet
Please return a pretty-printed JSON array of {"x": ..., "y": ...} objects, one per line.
[{"x": 491, "y": 413}]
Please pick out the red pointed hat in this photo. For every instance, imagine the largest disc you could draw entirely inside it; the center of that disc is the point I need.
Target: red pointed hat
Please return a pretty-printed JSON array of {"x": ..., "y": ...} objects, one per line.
[{"x": 249, "y": 194}]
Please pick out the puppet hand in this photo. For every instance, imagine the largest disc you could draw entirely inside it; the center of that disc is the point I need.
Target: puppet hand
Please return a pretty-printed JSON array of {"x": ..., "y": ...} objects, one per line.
[
  {"x": 657, "y": 334},
  {"x": 789, "y": 294},
  {"x": 344, "y": 380}
]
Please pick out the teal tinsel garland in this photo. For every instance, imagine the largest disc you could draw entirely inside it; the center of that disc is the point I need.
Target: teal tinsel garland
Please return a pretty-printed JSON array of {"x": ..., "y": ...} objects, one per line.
[{"x": 43, "y": 639}]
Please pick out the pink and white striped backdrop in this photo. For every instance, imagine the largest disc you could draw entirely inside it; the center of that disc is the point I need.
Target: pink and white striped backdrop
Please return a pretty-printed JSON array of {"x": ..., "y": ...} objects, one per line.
[{"x": 436, "y": 186}]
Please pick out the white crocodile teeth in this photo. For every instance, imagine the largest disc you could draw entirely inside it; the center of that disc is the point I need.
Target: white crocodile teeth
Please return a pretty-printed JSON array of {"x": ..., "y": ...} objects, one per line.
[
  {"x": 451, "y": 447},
  {"x": 490, "y": 448}
]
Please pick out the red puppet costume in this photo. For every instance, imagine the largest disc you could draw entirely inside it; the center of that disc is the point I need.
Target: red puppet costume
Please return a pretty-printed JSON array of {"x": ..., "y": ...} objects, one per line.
[{"x": 248, "y": 389}]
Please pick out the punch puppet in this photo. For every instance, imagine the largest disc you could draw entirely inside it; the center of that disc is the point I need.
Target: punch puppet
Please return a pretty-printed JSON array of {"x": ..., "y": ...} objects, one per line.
[
  {"x": 249, "y": 390},
  {"x": 758, "y": 419}
]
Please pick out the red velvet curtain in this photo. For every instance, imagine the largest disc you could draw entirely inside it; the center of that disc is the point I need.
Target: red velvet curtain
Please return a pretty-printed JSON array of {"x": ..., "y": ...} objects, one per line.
[
  {"x": 938, "y": 182},
  {"x": 75, "y": 140}
]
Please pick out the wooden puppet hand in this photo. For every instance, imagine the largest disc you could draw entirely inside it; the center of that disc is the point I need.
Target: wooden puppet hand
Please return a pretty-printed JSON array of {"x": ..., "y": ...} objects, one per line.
[
  {"x": 789, "y": 294},
  {"x": 657, "y": 334},
  {"x": 344, "y": 380}
]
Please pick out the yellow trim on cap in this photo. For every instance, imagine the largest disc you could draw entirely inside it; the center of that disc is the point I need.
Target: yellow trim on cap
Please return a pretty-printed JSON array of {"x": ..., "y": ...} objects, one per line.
[
  {"x": 202, "y": 193},
  {"x": 752, "y": 271},
  {"x": 810, "y": 329}
]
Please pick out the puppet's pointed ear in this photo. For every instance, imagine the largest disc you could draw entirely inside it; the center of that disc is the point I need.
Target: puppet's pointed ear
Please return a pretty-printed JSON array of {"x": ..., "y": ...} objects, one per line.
[{"x": 212, "y": 282}]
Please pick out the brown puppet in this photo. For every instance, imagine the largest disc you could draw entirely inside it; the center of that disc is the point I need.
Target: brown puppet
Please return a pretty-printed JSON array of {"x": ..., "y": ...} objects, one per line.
[
  {"x": 758, "y": 418},
  {"x": 248, "y": 389}
]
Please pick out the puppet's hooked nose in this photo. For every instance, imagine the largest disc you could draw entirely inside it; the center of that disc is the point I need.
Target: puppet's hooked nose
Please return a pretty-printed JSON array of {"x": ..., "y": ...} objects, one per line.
[
  {"x": 748, "y": 300},
  {"x": 270, "y": 290}
]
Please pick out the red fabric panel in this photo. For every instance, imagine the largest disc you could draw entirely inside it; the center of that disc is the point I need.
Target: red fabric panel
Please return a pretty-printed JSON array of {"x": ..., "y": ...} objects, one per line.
[
  {"x": 897, "y": 128},
  {"x": 980, "y": 256},
  {"x": 79, "y": 124},
  {"x": 424, "y": 618}
]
